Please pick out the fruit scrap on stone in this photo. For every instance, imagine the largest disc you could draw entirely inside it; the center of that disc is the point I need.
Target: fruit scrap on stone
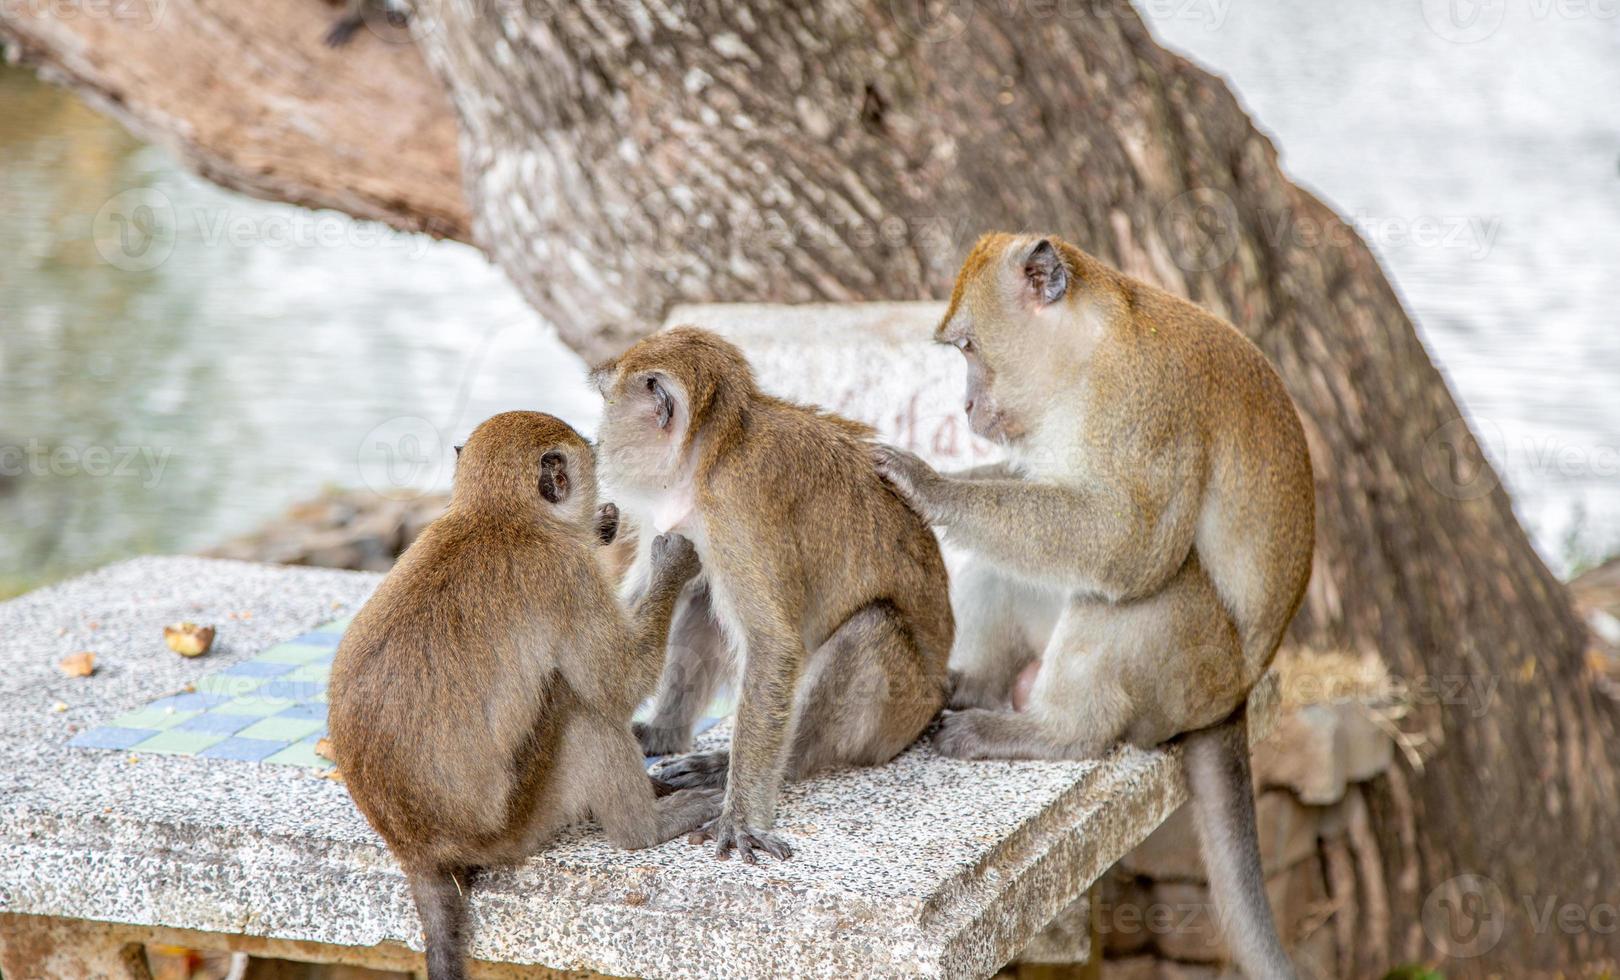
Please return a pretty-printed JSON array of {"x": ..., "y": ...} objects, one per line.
[
  {"x": 189, "y": 639},
  {"x": 81, "y": 664}
]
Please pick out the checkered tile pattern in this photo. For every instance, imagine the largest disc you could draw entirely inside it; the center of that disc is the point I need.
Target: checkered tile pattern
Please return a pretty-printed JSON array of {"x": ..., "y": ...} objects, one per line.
[{"x": 268, "y": 709}]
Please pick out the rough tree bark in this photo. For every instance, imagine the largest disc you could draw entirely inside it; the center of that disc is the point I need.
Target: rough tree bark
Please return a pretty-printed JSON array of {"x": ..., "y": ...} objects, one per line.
[{"x": 622, "y": 156}]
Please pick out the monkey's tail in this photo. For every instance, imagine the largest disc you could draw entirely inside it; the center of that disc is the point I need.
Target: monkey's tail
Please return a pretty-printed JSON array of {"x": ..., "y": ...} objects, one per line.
[
  {"x": 1217, "y": 763},
  {"x": 441, "y": 902}
]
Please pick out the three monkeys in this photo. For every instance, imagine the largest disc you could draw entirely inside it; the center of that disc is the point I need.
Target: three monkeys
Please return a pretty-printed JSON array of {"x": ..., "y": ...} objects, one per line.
[{"x": 1131, "y": 572}]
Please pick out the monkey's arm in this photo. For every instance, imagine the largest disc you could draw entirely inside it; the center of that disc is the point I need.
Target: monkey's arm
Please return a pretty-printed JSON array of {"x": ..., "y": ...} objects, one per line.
[
  {"x": 765, "y": 598},
  {"x": 616, "y": 679},
  {"x": 1120, "y": 539}
]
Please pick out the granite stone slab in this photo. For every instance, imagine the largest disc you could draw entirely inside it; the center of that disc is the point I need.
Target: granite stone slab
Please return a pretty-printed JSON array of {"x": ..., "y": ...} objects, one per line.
[{"x": 924, "y": 867}]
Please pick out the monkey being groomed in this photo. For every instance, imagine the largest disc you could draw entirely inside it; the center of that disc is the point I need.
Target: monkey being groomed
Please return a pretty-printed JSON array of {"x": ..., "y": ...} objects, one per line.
[
  {"x": 826, "y": 588},
  {"x": 481, "y": 698},
  {"x": 1150, "y": 538}
]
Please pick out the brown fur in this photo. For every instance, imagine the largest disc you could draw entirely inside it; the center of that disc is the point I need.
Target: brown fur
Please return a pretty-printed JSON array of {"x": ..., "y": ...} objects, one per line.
[
  {"x": 481, "y": 698},
  {"x": 1153, "y": 533},
  {"x": 832, "y": 590}
]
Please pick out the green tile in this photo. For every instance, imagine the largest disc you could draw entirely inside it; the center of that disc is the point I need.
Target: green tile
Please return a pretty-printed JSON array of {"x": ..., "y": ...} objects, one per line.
[
  {"x": 301, "y": 754},
  {"x": 250, "y": 705},
  {"x": 161, "y": 719},
  {"x": 178, "y": 743},
  {"x": 336, "y": 625},
  {"x": 312, "y": 672},
  {"x": 281, "y": 729},
  {"x": 230, "y": 685},
  {"x": 292, "y": 653}
]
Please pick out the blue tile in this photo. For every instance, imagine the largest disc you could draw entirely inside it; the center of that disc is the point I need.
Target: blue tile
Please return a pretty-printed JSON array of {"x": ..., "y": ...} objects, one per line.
[
  {"x": 219, "y": 724},
  {"x": 314, "y": 711},
  {"x": 258, "y": 668},
  {"x": 290, "y": 690},
  {"x": 194, "y": 701},
  {"x": 325, "y": 659},
  {"x": 243, "y": 749},
  {"x": 319, "y": 639},
  {"x": 704, "y": 724},
  {"x": 112, "y": 737}
]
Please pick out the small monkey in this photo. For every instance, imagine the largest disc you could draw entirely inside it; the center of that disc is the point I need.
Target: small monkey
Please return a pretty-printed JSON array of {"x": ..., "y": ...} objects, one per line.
[
  {"x": 1151, "y": 536},
  {"x": 831, "y": 593},
  {"x": 481, "y": 699}
]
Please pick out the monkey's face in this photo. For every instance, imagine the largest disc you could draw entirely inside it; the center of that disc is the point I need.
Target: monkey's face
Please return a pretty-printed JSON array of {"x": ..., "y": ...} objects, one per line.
[
  {"x": 1012, "y": 315},
  {"x": 646, "y": 412},
  {"x": 529, "y": 461}
]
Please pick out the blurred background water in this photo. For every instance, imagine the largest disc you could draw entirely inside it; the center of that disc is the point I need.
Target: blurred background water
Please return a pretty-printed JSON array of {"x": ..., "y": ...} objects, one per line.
[{"x": 275, "y": 351}]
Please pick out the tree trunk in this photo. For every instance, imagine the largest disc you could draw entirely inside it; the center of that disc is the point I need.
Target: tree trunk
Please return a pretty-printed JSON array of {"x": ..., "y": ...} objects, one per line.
[{"x": 622, "y": 156}]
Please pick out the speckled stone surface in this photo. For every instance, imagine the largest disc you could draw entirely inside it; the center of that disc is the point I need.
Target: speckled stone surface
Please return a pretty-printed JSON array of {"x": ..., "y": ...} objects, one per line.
[{"x": 924, "y": 867}]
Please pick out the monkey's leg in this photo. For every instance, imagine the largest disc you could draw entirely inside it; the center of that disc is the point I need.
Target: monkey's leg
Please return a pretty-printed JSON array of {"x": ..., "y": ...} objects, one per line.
[
  {"x": 619, "y": 794},
  {"x": 1001, "y": 625},
  {"x": 866, "y": 695},
  {"x": 1079, "y": 706},
  {"x": 695, "y": 664}
]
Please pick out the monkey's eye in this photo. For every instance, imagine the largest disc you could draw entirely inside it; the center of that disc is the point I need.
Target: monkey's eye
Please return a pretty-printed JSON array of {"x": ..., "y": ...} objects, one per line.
[{"x": 963, "y": 344}]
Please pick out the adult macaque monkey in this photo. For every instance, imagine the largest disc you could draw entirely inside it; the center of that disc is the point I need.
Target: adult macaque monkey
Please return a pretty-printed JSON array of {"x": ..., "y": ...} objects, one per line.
[
  {"x": 1156, "y": 522},
  {"x": 481, "y": 699},
  {"x": 831, "y": 593}
]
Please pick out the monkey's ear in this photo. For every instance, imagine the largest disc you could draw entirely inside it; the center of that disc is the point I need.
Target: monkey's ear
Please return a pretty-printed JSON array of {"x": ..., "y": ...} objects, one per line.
[
  {"x": 459, "y": 449},
  {"x": 1046, "y": 274},
  {"x": 663, "y": 403},
  {"x": 554, "y": 482}
]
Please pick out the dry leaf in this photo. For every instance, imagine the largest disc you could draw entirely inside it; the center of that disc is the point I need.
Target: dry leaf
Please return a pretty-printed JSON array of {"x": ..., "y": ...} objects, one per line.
[
  {"x": 81, "y": 664},
  {"x": 323, "y": 748},
  {"x": 59, "y": 707},
  {"x": 333, "y": 775},
  {"x": 189, "y": 639}
]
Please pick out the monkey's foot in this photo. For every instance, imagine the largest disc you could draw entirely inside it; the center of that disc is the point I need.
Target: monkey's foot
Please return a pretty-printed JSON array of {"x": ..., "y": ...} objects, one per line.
[
  {"x": 703, "y": 769},
  {"x": 966, "y": 734},
  {"x": 661, "y": 741},
  {"x": 729, "y": 835}
]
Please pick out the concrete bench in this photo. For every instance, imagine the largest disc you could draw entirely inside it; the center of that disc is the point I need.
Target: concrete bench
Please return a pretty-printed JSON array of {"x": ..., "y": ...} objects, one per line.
[{"x": 924, "y": 867}]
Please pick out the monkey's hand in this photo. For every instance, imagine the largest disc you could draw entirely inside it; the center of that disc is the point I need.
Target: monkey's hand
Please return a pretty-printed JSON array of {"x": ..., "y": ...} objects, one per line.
[
  {"x": 674, "y": 560},
  {"x": 607, "y": 523},
  {"x": 908, "y": 476},
  {"x": 729, "y": 833}
]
